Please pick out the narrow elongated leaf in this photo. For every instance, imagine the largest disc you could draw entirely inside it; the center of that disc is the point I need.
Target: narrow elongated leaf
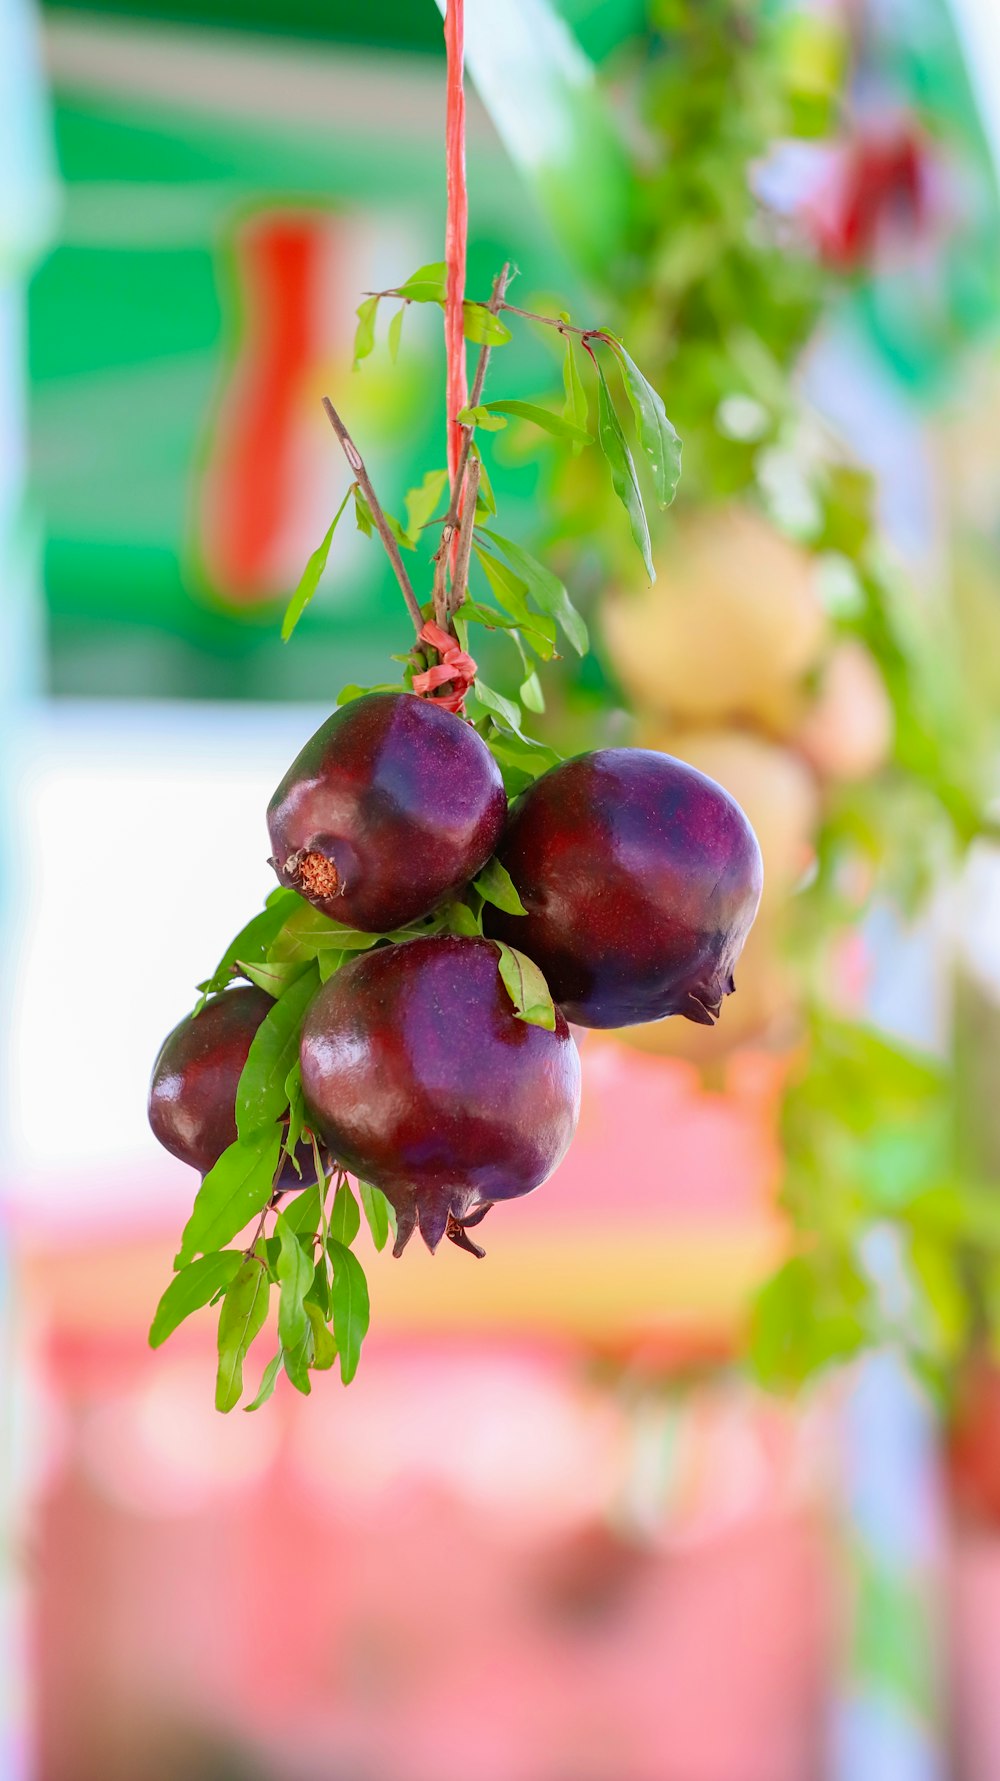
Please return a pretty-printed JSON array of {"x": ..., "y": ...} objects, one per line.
[
  {"x": 301, "y": 1213},
  {"x": 509, "y": 591},
  {"x": 275, "y": 975},
  {"x": 396, "y": 332},
  {"x": 349, "y": 1300},
  {"x": 486, "y": 498},
  {"x": 576, "y": 408},
  {"x": 657, "y": 435},
  {"x": 244, "y": 1310},
  {"x": 298, "y": 1360},
  {"x": 364, "y": 334},
  {"x": 261, "y": 1096},
  {"x": 330, "y": 962},
  {"x": 482, "y": 327},
  {"x": 324, "y": 1346},
  {"x": 526, "y": 988},
  {"x": 496, "y": 702},
  {"x": 544, "y": 418},
  {"x": 349, "y": 693},
  {"x": 374, "y": 1201},
  {"x": 422, "y": 503},
  {"x": 308, "y": 932},
  {"x": 545, "y": 589},
  {"x": 530, "y": 693},
  {"x": 190, "y": 1289},
  {"x": 267, "y": 1384},
  {"x": 239, "y": 1185},
  {"x": 253, "y": 940},
  {"x": 427, "y": 285},
  {"x": 295, "y": 1269},
  {"x": 497, "y": 886},
  {"x": 345, "y": 1219},
  {"x": 296, "y": 1109},
  {"x": 626, "y": 484},
  {"x": 311, "y": 576}
]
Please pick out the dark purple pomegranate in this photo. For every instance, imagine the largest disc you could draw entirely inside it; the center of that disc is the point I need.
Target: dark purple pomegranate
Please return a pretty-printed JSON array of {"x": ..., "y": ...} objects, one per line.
[
  {"x": 389, "y": 810},
  {"x": 641, "y": 878},
  {"x": 421, "y": 1080},
  {"x": 192, "y": 1095}
]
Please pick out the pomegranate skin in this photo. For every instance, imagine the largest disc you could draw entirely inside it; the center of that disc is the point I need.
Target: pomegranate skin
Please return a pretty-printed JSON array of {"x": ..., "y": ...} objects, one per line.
[
  {"x": 389, "y": 810},
  {"x": 421, "y": 1080},
  {"x": 192, "y": 1094},
  {"x": 641, "y": 878}
]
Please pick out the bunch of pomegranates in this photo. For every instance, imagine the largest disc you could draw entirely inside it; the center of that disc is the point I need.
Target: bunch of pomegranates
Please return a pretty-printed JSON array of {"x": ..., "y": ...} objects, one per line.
[{"x": 451, "y": 942}]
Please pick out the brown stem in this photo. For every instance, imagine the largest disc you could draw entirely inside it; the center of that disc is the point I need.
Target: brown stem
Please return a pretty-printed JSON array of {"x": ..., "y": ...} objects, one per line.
[
  {"x": 442, "y": 605},
  {"x": 555, "y": 321},
  {"x": 363, "y": 480},
  {"x": 460, "y": 578}
]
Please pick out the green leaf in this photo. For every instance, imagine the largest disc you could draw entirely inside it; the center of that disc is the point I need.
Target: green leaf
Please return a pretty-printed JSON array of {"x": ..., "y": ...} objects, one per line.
[
  {"x": 657, "y": 435},
  {"x": 345, "y": 1219},
  {"x": 482, "y": 327},
  {"x": 260, "y": 1095},
  {"x": 496, "y": 702},
  {"x": 253, "y": 940},
  {"x": 362, "y": 513},
  {"x": 421, "y": 504},
  {"x": 576, "y": 408},
  {"x": 542, "y": 417},
  {"x": 509, "y": 591},
  {"x": 295, "y": 1271},
  {"x": 298, "y": 1359},
  {"x": 463, "y": 920},
  {"x": 329, "y": 963},
  {"x": 486, "y": 498},
  {"x": 497, "y": 886},
  {"x": 623, "y": 476},
  {"x": 324, "y": 1346},
  {"x": 526, "y": 988},
  {"x": 364, "y": 337},
  {"x": 275, "y": 975},
  {"x": 267, "y": 1384},
  {"x": 311, "y": 576},
  {"x": 301, "y": 1213},
  {"x": 531, "y": 694},
  {"x": 427, "y": 285},
  {"x": 481, "y": 417},
  {"x": 376, "y": 1210},
  {"x": 545, "y": 588},
  {"x": 349, "y": 693},
  {"x": 244, "y": 1310},
  {"x": 396, "y": 332},
  {"x": 308, "y": 932},
  {"x": 190, "y": 1289},
  {"x": 238, "y": 1186},
  {"x": 349, "y": 1301},
  {"x": 296, "y": 1109}
]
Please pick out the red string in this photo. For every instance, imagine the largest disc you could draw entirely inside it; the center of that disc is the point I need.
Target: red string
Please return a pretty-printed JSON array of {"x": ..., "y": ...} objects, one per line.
[
  {"x": 457, "y": 229},
  {"x": 455, "y": 665}
]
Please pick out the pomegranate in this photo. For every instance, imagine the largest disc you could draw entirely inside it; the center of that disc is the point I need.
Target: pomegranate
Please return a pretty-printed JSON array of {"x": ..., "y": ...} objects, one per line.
[
  {"x": 422, "y": 1080},
  {"x": 192, "y": 1095},
  {"x": 389, "y": 810},
  {"x": 641, "y": 878}
]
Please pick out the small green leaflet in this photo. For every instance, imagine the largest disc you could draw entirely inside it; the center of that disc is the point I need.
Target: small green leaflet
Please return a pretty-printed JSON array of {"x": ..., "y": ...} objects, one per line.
[
  {"x": 345, "y": 1219},
  {"x": 239, "y": 1185},
  {"x": 396, "y": 332},
  {"x": 267, "y": 1384},
  {"x": 362, "y": 513},
  {"x": 541, "y": 417},
  {"x": 364, "y": 337},
  {"x": 496, "y": 702},
  {"x": 296, "y": 1110},
  {"x": 261, "y": 1096},
  {"x": 192, "y": 1288},
  {"x": 330, "y": 962},
  {"x": 482, "y": 327},
  {"x": 427, "y": 285},
  {"x": 349, "y": 1301},
  {"x": 349, "y": 693},
  {"x": 376, "y": 1208},
  {"x": 544, "y": 587},
  {"x": 509, "y": 591},
  {"x": 311, "y": 575},
  {"x": 324, "y": 1346},
  {"x": 295, "y": 1271},
  {"x": 626, "y": 483},
  {"x": 657, "y": 435},
  {"x": 531, "y": 694},
  {"x": 576, "y": 408},
  {"x": 252, "y": 941},
  {"x": 486, "y": 500},
  {"x": 497, "y": 886},
  {"x": 481, "y": 417},
  {"x": 274, "y": 976},
  {"x": 301, "y": 1213},
  {"x": 244, "y": 1310},
  {"x": 422, "y": 503},
  {"x": 526, "y": 988}
]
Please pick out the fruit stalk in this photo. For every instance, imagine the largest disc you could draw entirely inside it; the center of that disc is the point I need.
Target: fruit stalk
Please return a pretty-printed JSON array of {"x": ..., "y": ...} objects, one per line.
[{"x": 363, "y": 481}]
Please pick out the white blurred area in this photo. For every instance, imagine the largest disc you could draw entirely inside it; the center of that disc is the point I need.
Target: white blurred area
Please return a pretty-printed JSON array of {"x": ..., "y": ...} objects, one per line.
[{"x": 140, "y": 847}]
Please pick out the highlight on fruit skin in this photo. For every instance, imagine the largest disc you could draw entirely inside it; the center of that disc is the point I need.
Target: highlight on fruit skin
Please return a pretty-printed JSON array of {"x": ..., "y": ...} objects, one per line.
[
  {"x": 192, "y": 1093},
  {"x": 388, "y": 811},
  {"x": 422, "y": 1080},
  {"x": 641, "y": 878},
  {"x": 730, "y": 629}
]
